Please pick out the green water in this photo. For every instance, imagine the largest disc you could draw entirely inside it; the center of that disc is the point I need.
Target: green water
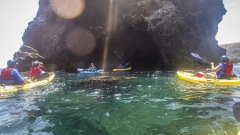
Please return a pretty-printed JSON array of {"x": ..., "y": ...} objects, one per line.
[{"x": 154, "y": 103}]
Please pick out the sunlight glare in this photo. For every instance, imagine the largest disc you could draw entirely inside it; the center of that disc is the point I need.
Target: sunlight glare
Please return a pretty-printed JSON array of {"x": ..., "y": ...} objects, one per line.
[
  {"x": 109, "y": 26},
  {"x": 68, "y": 9},
  {"x": 81, "y": 41}
]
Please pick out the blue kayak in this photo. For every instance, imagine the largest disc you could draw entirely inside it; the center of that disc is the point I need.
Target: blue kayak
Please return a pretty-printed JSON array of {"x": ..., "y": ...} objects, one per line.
[{"x": 88, "y": 73}]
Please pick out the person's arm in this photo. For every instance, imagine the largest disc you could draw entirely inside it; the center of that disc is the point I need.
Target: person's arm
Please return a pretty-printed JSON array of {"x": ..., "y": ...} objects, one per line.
[
  {"x": 40, "y": 71},
  {"x": 17, "y": 76},
  {"x": 30, "y": 72},
  {"x": 216, "y": 69}
]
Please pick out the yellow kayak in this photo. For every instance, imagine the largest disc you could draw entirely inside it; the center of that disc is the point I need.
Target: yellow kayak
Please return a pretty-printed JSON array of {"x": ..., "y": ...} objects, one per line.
[
  {"x": 14, "y": 88},
  {"x": 122, "y": 69},
  {"x": 190, "y": 77}
]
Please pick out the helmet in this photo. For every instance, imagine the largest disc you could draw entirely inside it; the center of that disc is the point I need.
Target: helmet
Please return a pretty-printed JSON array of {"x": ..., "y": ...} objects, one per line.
[
  {"x": 35, "y": 64},
  {"x": 11, "y": 63},
  {"x": 224, "y": 58}
]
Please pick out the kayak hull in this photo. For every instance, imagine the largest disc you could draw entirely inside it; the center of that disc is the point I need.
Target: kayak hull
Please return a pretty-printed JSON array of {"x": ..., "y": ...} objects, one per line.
[
  {"x": 14, "y": 88},
  {"x": 122, "y": 69},
  {"x": 87, "y": 73},
  {"x": 190, "y": 77},
  {"x": 90, "y": 73}
]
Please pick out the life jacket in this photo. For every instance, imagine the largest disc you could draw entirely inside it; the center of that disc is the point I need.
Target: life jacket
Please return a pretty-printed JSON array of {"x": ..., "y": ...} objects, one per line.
[
  {"x": 228, "y": 68},
  {"x": 92, "y": 68},
  {"x": 35, "y": 71},
  {"x": 6, "y": 73}
]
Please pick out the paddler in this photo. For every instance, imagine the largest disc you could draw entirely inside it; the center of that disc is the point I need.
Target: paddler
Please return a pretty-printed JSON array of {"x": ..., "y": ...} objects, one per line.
[
  {"x": 120, "y": 66},
  {"x": 92, "y": 68},
  {"x": 11, "y": 75},
  {"x": 36, "y": 71},
  {"x": 223, "y": 70}
]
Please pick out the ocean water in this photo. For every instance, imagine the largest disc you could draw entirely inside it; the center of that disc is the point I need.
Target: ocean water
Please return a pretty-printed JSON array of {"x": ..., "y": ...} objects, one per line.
[{"x": 152, "y": 103}]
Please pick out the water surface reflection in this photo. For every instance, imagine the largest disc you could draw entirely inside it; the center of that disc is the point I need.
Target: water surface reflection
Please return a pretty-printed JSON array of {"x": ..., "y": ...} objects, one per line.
[{"x": 153, "y": 103}]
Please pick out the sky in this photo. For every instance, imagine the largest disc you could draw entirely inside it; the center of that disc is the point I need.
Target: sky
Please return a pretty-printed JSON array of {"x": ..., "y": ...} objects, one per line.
[
  {"x": 229, "y": 27},
  {"x": 15, "y": 15}
]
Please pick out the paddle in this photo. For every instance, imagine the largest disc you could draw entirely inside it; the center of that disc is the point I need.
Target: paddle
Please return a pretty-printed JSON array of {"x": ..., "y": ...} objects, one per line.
[
  {"x": 197, "y": 56},
  {"x": 80, "y": 69},
  {"x": 236, "y": 111}
]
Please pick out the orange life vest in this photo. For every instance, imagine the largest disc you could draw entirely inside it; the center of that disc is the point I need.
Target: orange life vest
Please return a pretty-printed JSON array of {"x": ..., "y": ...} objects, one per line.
[
  {"x": 6, "y": 73},
  {"x": 35, "y": 71},
  {"x": 228, "y": 66}
]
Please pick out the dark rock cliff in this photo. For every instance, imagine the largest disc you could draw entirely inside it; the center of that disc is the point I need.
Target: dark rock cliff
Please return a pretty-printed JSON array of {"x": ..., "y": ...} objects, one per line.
[{"x": 148, "y": 34}]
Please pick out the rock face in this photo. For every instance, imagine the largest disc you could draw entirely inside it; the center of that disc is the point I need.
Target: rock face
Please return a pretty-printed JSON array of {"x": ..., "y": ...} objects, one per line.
[
  {"x": 233, "y": 51},
  {"x": 148, "y": 34}
]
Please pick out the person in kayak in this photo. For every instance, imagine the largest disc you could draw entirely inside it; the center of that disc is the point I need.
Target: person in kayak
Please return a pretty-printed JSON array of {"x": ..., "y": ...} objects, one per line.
[
  {"x": 11, "y": 75},
  {"x": 35, "y": 70},
  {"x": 120, "y": 66},
  {"x": 223, "y": 70},
  {"x": 92, "y": 68}
]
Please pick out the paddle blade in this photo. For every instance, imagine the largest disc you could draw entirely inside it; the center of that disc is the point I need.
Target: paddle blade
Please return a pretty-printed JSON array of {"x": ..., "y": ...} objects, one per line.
[
  {"x": 196, "y": 55},
  {"x": 127, "y": 64},
  {"x": 79, "y": 69},
  {"x": 236, "y": 111}
]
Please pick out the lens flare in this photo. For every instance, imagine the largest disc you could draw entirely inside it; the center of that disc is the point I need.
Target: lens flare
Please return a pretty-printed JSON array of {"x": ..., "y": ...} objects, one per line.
[
  {"x": 81, "y": 41},
  {"x": 68, "y": 9},
  {"x": 109, "y": 29}
]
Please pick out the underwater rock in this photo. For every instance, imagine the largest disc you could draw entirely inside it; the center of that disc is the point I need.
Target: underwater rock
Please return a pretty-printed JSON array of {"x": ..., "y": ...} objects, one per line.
[{"x": 105, "y": 79}]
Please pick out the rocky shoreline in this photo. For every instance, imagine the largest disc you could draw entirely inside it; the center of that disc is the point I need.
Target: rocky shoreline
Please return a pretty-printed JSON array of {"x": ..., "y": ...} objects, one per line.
[{"x": 233, "y": 51}]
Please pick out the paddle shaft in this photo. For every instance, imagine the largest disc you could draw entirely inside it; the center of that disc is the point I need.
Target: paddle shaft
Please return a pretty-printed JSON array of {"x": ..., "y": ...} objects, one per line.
[{"x": 199, "y": 57}]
